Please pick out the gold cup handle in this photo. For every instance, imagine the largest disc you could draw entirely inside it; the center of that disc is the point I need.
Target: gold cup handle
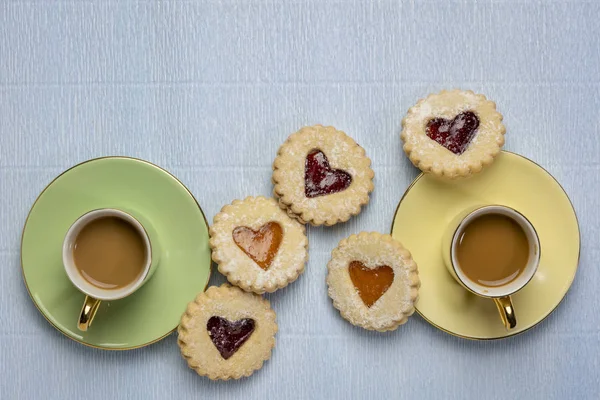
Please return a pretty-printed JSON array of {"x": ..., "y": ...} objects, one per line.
[
  {"x": 88, "y": 312},
  {"x": 507, "y": 311}
]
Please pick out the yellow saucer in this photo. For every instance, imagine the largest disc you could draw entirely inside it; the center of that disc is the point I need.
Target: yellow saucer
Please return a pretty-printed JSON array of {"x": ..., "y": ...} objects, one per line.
[{"x": 429, "y": 204}]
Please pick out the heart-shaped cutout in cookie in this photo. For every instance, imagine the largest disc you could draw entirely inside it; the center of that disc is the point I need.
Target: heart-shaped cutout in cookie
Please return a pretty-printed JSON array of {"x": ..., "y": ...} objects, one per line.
[
  {"x": 370, "y": 283},
  {"x": 262, "y": 245},
  {"x": 455, "y": 134},
  {"x": 228, "y": 336},
  {"x": 320, "y": 179}
]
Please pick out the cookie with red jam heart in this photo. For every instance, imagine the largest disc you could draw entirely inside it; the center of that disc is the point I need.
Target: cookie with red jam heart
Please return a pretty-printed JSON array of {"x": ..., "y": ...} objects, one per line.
[
  {"x": 257, "y": 246},
  {"x": 453, "y": 134},
  {"x": 322, "y": 176},
  {"x": 373, "y": 281},
  {"x": 226, "y": 333}
]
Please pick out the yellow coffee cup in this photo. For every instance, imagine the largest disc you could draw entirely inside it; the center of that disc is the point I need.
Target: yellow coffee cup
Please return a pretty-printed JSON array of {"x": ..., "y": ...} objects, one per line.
[{"x": 501, "y": 293}]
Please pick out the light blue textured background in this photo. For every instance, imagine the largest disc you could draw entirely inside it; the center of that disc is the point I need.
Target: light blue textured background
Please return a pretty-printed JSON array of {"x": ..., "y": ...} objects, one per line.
[{"x": 210, "y": 89}]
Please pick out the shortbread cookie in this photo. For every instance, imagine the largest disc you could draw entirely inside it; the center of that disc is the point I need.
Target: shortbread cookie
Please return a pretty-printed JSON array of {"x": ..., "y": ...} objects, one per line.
[
  {"x": 226, "y": 333},
  {"x": 322, "y": 176},
  {"x": 453, "y": 134},
  {"x": 373, "y": 281},
  {"x": 257, "y": 246}
]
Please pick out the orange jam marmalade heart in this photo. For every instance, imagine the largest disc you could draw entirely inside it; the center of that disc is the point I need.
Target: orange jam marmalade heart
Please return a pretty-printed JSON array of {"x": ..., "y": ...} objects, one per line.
[
  {"x": 262, "y": 245},
  {"x": 320, "y": 179},
  {"x": 371, "y": 283}
]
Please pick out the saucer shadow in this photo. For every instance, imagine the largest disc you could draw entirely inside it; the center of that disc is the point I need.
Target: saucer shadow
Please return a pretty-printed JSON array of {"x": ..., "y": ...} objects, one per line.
[
  {"x": 522, "y": 339},
  {"x": 216, "y": 278},
  {"x": 189, "y": 376},
  {"x": 65, "y": 344}
]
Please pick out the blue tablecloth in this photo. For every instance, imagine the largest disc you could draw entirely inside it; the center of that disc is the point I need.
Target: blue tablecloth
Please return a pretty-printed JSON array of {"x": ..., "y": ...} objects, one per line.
[{"x": 209, "y": 89}]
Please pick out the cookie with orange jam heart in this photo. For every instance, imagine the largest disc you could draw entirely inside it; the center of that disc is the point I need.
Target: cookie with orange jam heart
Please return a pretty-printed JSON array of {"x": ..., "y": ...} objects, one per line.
[
  {"x": 226, "y": 333},
  {"x": 322, "y": 176},
  {"x": 257, "y": 246},
  {"x": 373, "y": 281}
]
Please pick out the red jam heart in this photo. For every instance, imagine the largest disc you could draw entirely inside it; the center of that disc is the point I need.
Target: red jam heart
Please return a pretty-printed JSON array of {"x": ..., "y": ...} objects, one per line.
[
  {"x": 320, "y": 179},
  {"x": 455, "y": 135},
  {"x": 370, "y": 283},
  {"x": 262, "y": 245},
  {"x": 229, "y": 336}
]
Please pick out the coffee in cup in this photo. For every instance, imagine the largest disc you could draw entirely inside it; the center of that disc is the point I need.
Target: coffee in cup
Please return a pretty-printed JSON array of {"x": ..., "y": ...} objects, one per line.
[
  {"x": 492, "y": 251},
  {"x": 108, "y": 255}
]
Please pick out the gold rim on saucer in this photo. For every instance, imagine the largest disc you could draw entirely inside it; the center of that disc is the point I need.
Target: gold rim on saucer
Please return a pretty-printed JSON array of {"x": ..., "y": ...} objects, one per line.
[
  {"x": 74, "y": 317},
  {"x": 413, "y": 219}
]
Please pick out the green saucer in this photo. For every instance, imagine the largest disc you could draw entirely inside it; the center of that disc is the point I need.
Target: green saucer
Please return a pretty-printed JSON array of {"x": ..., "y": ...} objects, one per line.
[{"x": 152, "y": 312}]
